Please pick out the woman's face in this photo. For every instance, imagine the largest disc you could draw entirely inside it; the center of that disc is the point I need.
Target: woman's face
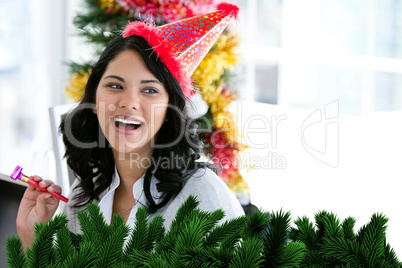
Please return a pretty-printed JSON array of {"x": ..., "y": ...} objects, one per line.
[{"x": 131, "y": 104}]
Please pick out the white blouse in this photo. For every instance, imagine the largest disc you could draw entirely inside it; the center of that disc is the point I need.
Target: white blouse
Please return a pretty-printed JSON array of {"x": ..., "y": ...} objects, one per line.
[{"x": 211, "y": 192}]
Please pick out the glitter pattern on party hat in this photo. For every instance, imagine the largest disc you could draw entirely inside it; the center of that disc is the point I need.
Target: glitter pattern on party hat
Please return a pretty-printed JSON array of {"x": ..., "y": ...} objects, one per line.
[{"x": 183, "y": 44}]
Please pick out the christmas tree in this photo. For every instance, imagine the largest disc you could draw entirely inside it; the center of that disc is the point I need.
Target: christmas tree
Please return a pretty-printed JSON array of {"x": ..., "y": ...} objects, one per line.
[{"x": 104, "y": 19}]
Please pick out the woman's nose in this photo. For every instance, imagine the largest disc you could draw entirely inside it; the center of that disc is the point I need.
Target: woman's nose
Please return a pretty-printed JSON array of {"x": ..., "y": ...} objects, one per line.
[{"x": 130, "y": 100}]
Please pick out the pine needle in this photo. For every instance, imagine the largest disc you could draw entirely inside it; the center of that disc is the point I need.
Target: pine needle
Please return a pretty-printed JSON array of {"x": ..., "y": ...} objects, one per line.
[
  {"x": 15, "y": 252},
  {"x": 256, "y": 224},
  {"x": 99, "y": 228},
  {"x": 85, "y": 257},
  {"x": 372, "y": 237},
  {"x": 216, "y": 216},
  {"x": 230, "y": 242},
  {"x": 331, "y": 224},
  {"x": 76, "y": 240},
  {"x": 159, "y": 262},
  {"x": 185, "y": 209},
  {"x": 136, "y": 258},
  {"x": 319, "y": 224},
  {"x": 305, "y": 233},
  {"x": 248, "y": 254},
  {"x": 346, "y": 252},
  {"x": 39, "y": 254},
  {"x": 139, "y": 237},
  {"x": 390, "y": 257},
  {"x": 192, "y": 233},
  {"x": 63, "y": 246},
  {"x": 293, "y": 254},
  {"x": 347, "y": 228},
  {"x": 156, "y": 232},
  {"x": 275, "y": 240},
  {"x": 112, "y": 249},
  {"x": 226, "y": 229},
  {"x": 203, "y": 258}
]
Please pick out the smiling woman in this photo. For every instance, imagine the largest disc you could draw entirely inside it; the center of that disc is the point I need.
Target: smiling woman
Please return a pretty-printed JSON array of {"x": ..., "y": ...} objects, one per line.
[
  {"x": 133, "y": 96},
  {"x": 130, "y": 142}
]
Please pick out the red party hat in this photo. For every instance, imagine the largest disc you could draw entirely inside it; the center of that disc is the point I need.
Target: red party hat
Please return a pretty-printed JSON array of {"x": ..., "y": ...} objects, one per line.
[{"x": 183, "y": 44}]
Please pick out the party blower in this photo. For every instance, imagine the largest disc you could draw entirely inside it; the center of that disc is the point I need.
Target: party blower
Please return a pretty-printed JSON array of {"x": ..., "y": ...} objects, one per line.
[{"x": 17, "y": 175}]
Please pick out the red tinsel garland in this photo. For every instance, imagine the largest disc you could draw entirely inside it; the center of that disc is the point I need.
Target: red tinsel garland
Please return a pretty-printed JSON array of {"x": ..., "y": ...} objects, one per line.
[
  {"x": 222, "y": 153},
  {"x": 164, "y": 11}
]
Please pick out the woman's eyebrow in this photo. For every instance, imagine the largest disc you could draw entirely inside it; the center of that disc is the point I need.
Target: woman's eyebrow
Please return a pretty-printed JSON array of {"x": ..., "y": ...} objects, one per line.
[
  {"x": 116, "y": 77},
  {"x": 150, "y": 81}
]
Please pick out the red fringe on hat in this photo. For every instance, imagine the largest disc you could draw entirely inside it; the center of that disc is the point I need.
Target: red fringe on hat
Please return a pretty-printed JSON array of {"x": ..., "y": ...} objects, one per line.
[
  {"x": 228, "y": 9},
  {"x": 151, "y": 34}
]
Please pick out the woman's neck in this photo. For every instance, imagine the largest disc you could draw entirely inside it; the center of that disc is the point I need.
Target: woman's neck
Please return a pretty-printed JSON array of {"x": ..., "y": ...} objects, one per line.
[{"x": 131, "y": 167}]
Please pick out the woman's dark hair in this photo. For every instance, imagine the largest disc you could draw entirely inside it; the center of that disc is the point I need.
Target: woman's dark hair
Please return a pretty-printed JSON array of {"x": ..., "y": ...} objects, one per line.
[{"x": 89, "y": 154}]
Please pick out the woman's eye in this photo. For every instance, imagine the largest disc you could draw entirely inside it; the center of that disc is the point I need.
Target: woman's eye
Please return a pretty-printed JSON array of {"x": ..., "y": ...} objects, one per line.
[
  {"x": 115, "y": 86},
  {"x": 150, "y": 90}
]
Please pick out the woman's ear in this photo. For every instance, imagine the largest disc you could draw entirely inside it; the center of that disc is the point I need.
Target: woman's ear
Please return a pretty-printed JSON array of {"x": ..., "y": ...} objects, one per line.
[{"x": 95, "y": 111}]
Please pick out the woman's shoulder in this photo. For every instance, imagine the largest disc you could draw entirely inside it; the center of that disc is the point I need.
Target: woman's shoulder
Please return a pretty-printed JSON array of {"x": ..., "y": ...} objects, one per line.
[
  {"x": 211, "y": 192},
  {"x": 206, "y": 179}
]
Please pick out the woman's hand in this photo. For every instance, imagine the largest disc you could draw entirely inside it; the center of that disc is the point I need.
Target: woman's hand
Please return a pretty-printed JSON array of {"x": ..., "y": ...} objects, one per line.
[{"x": 36, "y": 206}]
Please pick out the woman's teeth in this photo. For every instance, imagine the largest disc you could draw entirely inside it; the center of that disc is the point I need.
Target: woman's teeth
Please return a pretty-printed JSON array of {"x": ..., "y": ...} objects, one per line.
[{"x": 120, "y": 122}]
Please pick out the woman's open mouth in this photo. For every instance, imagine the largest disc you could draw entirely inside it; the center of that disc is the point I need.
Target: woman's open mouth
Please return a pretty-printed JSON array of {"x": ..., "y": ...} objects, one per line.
[{"x": 126, "y": 124}]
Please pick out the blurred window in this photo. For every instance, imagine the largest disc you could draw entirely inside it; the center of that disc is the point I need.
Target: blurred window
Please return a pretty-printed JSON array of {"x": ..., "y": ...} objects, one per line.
[
  {"x": 306, "y": 54},
  {"x": 32, "y": 69}
]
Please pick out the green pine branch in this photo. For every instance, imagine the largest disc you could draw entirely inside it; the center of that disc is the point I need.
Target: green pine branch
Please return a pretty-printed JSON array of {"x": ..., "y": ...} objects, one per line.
[
  {"x": 390, "y": 257},
  {"x": 156, "y": 231},
  {"x": 348, "y": 226},
  {"x": 372, "y": 237},
  {"x": 256, "y": 224},
  {"x": 139, "y": 257},
  {"x": 345, "y": 252},
  {"x": 293, "y": 254},
  {"x": 85, "y": 257},
  {"x": 64, "y": 246},
  {"x": 227, "y": 229},
  {"x": 305, "y": 233},
  {"x": 40, "y": 253},
  {"x": 112, "y": 249},
  {"x": 15, "y": 252},
  {"x": 93, "y": 225},
  {"x": 167, "y": 243},
  {"x": 191, "y": 236},
  {"x": 248, "y": 254},
  {"x": 198, "y": 257},
  {"x": 277, "y": 251},
  {"x": 334, "y": 244},
  {"x": 139, "y": 236},
  {"x": 198, "y": 239}
]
